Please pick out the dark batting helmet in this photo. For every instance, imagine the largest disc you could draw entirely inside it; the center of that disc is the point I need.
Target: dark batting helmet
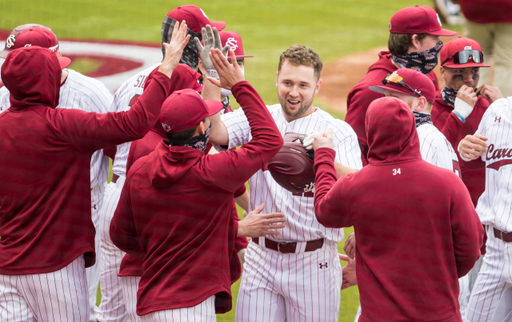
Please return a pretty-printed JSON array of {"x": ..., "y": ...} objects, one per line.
[{"x": 292, "y": 166}]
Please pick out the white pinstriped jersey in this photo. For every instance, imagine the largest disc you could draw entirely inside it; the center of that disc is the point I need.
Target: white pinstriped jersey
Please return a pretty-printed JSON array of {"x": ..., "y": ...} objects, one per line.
[
  {"x": 86, "y": 94},
  {"x": 301, "y": 223},
  {"x": 495, "y": 204},
  {"x": 123, "y": 99},
  {"x": 435, "y": 148}
]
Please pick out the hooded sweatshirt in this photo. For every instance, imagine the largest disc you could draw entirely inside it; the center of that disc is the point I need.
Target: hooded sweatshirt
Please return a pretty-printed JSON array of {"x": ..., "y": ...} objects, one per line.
[
  {"x": 360, "y": 97},
  {"x": 176, "y": 209},
  {"x": 45, "y": 198},
  {"x": 417, "y": 230},
  {"x": 182, "y": 77},
  {"x": 473, "y": 172}
]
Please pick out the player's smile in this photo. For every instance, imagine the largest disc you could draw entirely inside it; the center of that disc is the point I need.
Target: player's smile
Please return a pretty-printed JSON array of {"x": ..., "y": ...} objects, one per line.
[{"x": 296, "y": 87}]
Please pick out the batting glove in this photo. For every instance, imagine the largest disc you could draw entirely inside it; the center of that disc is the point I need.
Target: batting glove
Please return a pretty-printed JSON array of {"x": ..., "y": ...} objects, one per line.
[
  {"x": 308, "y": 140},
  {"x": 211, "y": 39}
]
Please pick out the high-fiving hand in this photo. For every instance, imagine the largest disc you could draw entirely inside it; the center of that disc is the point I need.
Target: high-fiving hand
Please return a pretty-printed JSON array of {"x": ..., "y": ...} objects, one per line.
[
  {"x": 211, "y": 39},
  {"x": 174, "y": 49},
  {"x": 229, "y": 73}
]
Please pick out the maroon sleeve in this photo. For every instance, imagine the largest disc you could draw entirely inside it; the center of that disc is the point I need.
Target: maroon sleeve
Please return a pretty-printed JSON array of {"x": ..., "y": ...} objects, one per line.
[
  {"x": 89, "y": 132},
  {"x": 240, "y": 191},
  {"x": 231, "y": 169},
  {"x": 467, "y": 230},
  {"x": 358, "y": 101},
  {"x": 122, "y": 227},
  {"x": 328, "y": 204},
  {"x": 240, "y": 241}
]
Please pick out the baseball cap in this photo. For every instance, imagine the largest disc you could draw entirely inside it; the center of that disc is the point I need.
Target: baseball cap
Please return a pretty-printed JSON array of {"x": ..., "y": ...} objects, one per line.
[
  {"x": 416, "y": 84},
  {"x": 195, "y": 18},
  {"x": 9, "y": 42},
  {"x": 185, "y": 109},
  {"x": 234, "y": 41},
  {"x": 41, "y": 37},
  {"x": 468, "y": 49},
  {"x": 418, "y": 20}
]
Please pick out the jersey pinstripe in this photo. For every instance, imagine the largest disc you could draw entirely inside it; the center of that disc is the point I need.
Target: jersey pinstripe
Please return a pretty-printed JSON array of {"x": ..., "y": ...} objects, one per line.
[
  {"x": 124, "y": 98},
  {"x": 435, "y": 148},
  {"x": 495, "y": 205},
  {"x": 301, "y": 223}
]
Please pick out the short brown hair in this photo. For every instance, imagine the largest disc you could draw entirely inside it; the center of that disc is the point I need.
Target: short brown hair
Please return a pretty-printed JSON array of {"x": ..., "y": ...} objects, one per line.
[
  {"x": 300, "y": 55},
  {"x": 398, "y": 44}
]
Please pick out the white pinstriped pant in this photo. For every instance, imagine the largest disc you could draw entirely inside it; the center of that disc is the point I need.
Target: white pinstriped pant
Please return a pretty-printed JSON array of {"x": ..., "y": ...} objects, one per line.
[
  {"x": 203, "y": 312},
  {"x": 130, "y": 286},
  {"x": 93, "y": 273},
  {"x": 59, "y": 296},
  {"x": 296, "y": 287},
  {"x": 112, "y": 306},
  {"x": 491, "y": 298}
]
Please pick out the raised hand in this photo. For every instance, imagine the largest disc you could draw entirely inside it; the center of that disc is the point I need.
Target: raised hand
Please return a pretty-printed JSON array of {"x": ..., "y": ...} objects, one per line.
[
  {"x": 323, "y": 140},
  {"x": 472, "y": 147},
  {"x": 490, "y": 93},
  {"x": 174, "y": 49},
  {"x": 468, "y": 95},
  {"x": 211, "y": 39},
  {"x": 229, "y": 73},
  {"x": 256, "y": 224}
]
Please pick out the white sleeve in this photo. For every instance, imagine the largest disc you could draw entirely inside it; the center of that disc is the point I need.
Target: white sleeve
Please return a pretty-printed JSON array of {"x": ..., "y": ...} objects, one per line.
[
  {"x": 348, "y": 152},
  {"x": 239, "y": 130},
  {"x": 5, "y": 101}
]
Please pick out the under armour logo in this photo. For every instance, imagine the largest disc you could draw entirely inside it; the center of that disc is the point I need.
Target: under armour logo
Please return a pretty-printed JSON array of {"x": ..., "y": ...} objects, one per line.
[
  {"x": 232, "y": 43},
  {"x": 10, "y": 41},
  {"x": 94, "y": 207},
  {"x": 468, "y": 47},
  {"x": 497, "y": 119},
  {"x": 323, "y": 265},
  {"x": 28, "y": 45}
]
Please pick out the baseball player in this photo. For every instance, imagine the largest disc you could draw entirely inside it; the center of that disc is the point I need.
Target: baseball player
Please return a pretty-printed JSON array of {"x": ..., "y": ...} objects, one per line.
[
  {"x": 189, "y": 257},
  {"x": 112, "y": 306},
  {"x": 47, "y": 232},
  {"x": 407, "y": 269},
  {"x": 458, "y": 108},
  {"x": 295, "y": 275},
  {"x": 491, "y": 298},
  {"x": 413, "y": 43},
  {"x": 76, "y": 92}
]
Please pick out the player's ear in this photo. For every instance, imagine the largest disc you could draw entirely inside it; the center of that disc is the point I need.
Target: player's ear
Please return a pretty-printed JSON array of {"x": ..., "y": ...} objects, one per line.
[
  {"x": 318, "y": 84},
  {"x": 442, "y": 70}
]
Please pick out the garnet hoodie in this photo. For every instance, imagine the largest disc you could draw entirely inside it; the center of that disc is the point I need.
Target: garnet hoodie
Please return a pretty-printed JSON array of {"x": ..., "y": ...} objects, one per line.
[
  {"x": 473, "y": 172},
  {"x": 45, "y": 198},
  {"x": 360, "y": 97},
  {"x": 417, "y": 230},
  {"x": 182, "y": 77},
  {"x": 176, "y": 209}
]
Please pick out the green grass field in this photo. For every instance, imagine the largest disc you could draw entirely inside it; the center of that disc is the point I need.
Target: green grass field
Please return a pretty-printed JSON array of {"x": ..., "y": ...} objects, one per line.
[{"x": 333, "y": 28}]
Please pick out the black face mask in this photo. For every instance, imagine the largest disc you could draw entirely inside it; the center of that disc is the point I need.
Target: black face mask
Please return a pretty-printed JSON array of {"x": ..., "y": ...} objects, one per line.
[
  {"x": 448, "y": 95},
  {"x": 423, "y": 61},
  {"x": 199, "y": 142},
  {"x": 422, "y": 118}
]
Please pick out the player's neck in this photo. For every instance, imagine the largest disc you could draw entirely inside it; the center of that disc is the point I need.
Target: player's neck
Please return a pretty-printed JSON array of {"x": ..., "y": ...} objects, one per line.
[
  {"x": 63, "y": 76},
  {"x": 290, "y": 118}
]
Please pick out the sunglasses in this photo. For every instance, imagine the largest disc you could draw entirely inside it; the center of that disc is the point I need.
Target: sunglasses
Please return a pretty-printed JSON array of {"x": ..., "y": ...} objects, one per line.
[
  {"x": 397, "y": 79},
  {"x": 462, "y": 57}
]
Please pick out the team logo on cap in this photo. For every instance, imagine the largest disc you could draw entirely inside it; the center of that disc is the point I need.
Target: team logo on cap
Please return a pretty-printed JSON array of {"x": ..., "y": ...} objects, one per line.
[
  {"x": 204, "y": 14},
  {"x": 390, "y": 25},
  {"x": 232, "y": 43},
  {"x": 10, "y": 41},
  {"x": 166, "y": 127},
  {"x": 54, "y": 48}
]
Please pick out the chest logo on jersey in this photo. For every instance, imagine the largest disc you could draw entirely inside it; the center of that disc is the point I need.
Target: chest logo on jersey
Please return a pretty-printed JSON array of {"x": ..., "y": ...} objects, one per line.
[{"x": 498, "y": 155}]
